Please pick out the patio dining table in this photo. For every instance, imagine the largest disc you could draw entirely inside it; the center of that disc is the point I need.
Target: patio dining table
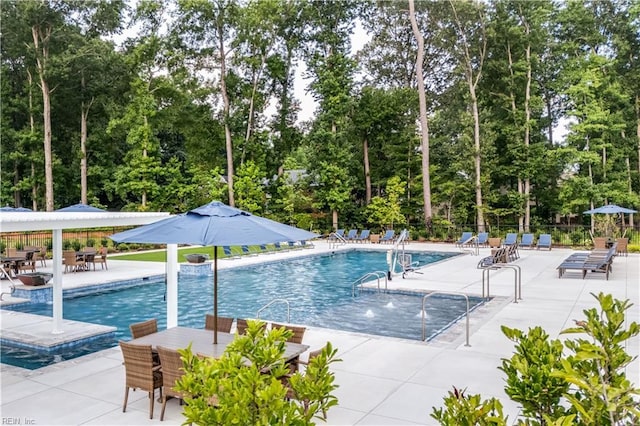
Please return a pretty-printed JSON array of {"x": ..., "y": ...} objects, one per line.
[{"x": 202, "y": 342}]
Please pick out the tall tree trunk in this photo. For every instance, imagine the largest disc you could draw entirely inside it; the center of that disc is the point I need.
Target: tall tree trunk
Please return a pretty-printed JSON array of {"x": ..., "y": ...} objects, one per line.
[
  {"x": 472, "y": 81},
  {"x": 514, "y": 112},
  {"x": 367, "y": 170},
  {"x": 32, "y": 132},
  {"x": 254, "y": 89},
  {"x": 41, "y": 38},
  {"x": 226, "y": 110},
  {"x": 424, "y": 122},
  {"x": 84, "y": 114},
  {"x": 638, "y": 127},
  {"x": 527, "y": 130}
]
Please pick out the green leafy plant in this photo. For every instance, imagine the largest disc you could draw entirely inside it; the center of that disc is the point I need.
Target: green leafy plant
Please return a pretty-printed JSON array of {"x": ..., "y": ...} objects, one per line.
[
  {"x": 530, "y": 381},
  {"x": 462, "y": 410},
  {"x": 248, "y": 384}
]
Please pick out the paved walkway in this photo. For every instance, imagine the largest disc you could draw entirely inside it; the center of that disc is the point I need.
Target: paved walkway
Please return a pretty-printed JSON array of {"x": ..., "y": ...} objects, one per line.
[{"x": 383, "y": 381}]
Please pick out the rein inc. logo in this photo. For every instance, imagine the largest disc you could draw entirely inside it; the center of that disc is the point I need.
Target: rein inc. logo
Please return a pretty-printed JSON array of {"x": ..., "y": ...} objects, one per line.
[{"x": 18, "y": 421}]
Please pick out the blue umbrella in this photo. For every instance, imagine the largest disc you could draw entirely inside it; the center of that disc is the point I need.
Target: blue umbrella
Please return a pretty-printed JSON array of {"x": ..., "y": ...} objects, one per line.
[
  {"x": 610, "y": 209},
  {"x": 214, "y": 224},
  {"x": 14, "y": 209},
  {"x": 80, "y": 208}
]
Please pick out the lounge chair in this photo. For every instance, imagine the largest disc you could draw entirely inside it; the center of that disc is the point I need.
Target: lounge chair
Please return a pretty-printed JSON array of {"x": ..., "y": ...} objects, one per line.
[
  {"x": 228, "y": 253},
  {"x": 388, "y": 237},
  {"x": 246, "y": 250},
  {"x": 590, "y": 264},
  {"x": 351, "y": 236},
  {"x": 526, "y": 241},
  {"x": 544, "y": 241},
  {"x": 338, "y": 235},
  {"x": 464, "y": 239},
  {"x": 512, "y": 238},
  {"x": 363, "y": 237},
  {"x": 483, "y": 239}
]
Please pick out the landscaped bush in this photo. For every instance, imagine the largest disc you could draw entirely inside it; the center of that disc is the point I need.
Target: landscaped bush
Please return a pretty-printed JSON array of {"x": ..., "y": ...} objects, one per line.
[{"x": 581, "y": 382}]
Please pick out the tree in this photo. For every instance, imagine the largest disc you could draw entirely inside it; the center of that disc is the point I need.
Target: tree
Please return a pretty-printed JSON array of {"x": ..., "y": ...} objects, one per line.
[
  {"x": 386, "y": 211},
  {"x": 249, "y": 188}
]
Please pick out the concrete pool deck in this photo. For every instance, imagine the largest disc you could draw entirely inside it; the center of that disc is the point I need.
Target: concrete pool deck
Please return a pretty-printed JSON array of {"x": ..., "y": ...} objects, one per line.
[{"x": 383, "y": 381}]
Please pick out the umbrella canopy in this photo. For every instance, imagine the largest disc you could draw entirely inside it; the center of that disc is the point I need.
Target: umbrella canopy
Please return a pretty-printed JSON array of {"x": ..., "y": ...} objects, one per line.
[
  {"x": 214, "y": 224},
  {"x": 80, "y": 208},
  {"x": 610, "y": 209},
  {"x": 14, "y": 209}
]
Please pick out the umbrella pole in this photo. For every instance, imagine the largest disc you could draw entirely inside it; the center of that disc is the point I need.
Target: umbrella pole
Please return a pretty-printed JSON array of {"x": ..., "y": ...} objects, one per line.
[{"x": 215, "y": 295}]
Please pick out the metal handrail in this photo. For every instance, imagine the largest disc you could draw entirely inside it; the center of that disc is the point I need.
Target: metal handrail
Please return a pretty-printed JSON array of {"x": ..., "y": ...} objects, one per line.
[
  {"x": 517, "y": 278},
  {"x": 285, "y": 301},
  {"x": 12, "y": 285},
  {"x": 473, "y": 243},
  {"x": 394, "y": 250},
  {"x": 340, "y": 240},
  {"x": 376, "y": 274},
  {"x": 424, "y": 314}
]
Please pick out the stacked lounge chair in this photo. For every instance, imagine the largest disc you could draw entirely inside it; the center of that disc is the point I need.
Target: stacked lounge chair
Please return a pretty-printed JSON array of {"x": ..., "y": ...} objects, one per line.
[{"x": 597, "y": 260}]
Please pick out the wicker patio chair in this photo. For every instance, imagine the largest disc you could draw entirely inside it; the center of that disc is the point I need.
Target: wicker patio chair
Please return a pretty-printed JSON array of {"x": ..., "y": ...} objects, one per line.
[
  {"x": 140, "y": 372},
  {"x": 241, "y": 325},
  {"x": 298, "y": 334},
  {"x": 144, "y": 328},
  {"x": 172, "y": 371},
  {"x": 224, "y": 323},
  {"x": 71, "y": 263},
  {"x": 622, "y": 244},
  {"x": 101, "y": 258}
]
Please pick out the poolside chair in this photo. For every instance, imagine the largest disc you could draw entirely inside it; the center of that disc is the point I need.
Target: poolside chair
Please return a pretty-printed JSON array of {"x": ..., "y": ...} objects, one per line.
[
  {"x": 228, "y": 253},
  {"x": 71, "y": 262},
  {"x": 140, "y": 372},
  {"x": 224, "y": 323},
  {"x": 622, "y": 244},
  {"x": 464, "y": 239},
  {"x": 338, "y": 235},
  {"x": 544, "y": 241},
  {"x": 600, "y": 243},
  {"x": 145, "y": 328},
  {"x": 363, "y": 237},
  {"x": 526, "y": 241},
  {"x": 512, "y": 238},
  {"x": 483, "y": 239},
  {"x": 351, "y": 236},
  {"x": 388, "y": 237},
  {"x": 101, "y": 258},
  {"x": 246, "y": 250},
  {"x": 172, "y": 371},
  {"x": 298, "y": 334}
]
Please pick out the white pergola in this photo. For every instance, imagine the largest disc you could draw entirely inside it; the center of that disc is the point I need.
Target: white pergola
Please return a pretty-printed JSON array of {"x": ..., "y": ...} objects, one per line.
[{"x": 57, "y": 221}]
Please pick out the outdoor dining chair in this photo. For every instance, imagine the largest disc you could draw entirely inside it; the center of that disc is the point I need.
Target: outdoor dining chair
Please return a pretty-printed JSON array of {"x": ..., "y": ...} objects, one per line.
[
  {"x": 140, "y": 372},
  {"x": 71, "y": 262},
  {"x": 172, "y": 371},
  {"x": 298, "y": 334},
  {"x": 145, "y": 328},
  {"x": 224, "y": 323}
]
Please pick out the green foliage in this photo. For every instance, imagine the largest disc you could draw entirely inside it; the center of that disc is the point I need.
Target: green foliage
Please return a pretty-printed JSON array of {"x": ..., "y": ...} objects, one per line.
[
  {"x": 386, "y": 211},
  {"x": 530, "y": 381},
  {"x": 601, "y": 394},
  {"x": 249, "y": 188},
  {"x": 462, "y": 410},
  {"x": 246, "y": 385},
  {"x": 590, "y": 378}
]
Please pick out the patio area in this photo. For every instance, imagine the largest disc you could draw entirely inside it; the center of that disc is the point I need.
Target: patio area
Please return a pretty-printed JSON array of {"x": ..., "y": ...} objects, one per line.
[{"x": 383, "y": 381}]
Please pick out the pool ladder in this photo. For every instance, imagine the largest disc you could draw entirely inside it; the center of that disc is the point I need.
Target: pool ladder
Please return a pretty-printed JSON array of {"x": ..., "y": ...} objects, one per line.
[
  {"x": 376, "y": 274},
  {"x": 336, "y": 240},
  {"x": 273, "y": 302}
]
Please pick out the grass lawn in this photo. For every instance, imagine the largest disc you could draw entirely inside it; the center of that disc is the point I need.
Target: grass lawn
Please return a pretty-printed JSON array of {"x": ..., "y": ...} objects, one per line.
[{"x": 161, "y": 255}]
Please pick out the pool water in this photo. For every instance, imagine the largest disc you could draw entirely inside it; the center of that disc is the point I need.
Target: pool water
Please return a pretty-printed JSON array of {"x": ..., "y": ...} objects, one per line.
[{"x": 318, "y": 289}]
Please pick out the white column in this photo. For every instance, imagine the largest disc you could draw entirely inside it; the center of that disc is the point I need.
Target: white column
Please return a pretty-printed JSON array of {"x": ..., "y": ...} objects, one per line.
[
  {"x": 57, "y": 282},
  {"x": 172, "y": 285}
]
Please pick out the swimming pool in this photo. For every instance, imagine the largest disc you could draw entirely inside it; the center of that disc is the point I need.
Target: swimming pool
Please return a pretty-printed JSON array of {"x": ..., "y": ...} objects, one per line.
[{"x": 318, "y": 288}]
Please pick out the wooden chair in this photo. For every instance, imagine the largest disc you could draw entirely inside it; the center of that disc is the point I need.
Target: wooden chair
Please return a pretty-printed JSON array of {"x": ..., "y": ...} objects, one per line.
[
  {"x": 71, "y": 262},
  {"x": 101, "y": 258},
  {"x": 140, "y": 372},
  {"x": 172, "y": 371},
  {"x": 27, "y": 265},
  {"x": 41, "y": 255},
  {"x": 600, "y": 243},
  {"x": 224, "y": 323}
]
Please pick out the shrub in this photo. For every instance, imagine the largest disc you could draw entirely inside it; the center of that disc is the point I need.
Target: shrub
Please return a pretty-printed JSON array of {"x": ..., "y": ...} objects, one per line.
[
  {"x": 248, "y": 384},
  {"x": 590, "y": 378},
  {"x": 91, "y": 242},
  {"x": 462, "y": 410}
]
